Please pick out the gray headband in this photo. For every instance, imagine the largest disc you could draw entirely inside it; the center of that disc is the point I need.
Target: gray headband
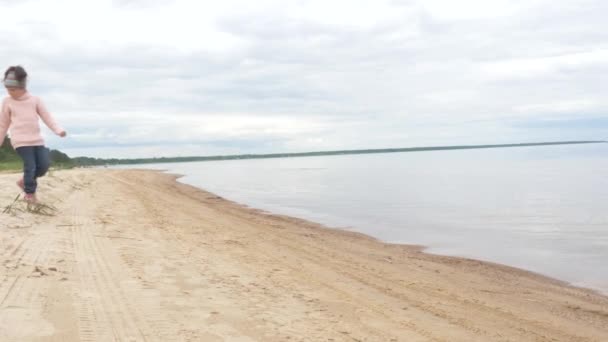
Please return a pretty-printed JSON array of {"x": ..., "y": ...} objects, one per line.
[{"x": 11, "y": 82}]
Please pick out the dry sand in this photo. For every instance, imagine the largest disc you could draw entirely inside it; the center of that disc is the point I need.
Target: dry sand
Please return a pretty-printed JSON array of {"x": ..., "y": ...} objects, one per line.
[{"x": 136, "y": 256}]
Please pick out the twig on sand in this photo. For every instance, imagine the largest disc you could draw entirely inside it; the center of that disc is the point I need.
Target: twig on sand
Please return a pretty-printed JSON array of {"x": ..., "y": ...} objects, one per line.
[
  {"x": 41, "y": 209},
  {"x": 34, "y": 208},
  {"x": 9, "y": 208},
  {"x": 116, "y": 237},
  {"x": 19, "y": 227}
]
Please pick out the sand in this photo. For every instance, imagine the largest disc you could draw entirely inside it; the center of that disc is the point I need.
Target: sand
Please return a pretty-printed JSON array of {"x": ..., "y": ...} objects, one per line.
[{"x": 133, "y": 255}]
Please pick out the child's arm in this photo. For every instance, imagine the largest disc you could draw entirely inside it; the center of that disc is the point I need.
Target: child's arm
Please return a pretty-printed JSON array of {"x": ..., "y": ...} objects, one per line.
[
  {"x": 48, "y": 119},
  {"x": 5, "y": 121}
]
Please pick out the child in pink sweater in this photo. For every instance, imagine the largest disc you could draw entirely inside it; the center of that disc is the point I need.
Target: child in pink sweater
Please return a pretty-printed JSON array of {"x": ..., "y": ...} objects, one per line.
[{"x": 20, "y": 113}]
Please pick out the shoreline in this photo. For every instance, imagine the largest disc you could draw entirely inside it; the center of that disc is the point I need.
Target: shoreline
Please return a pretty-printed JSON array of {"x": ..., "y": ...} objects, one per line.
[
  {"x": 418, "y": 247},
  {"x": 137, "y": 255}
]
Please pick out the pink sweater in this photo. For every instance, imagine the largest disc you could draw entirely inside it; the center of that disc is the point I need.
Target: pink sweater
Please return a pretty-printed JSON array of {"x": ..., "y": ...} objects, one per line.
[{"x": 21, "y": 115}]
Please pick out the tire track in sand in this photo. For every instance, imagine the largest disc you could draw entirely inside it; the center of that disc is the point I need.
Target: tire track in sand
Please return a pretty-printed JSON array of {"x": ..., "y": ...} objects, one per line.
[
  {"x": 24, "y": 289},
  {"x": 105, "y": 312}
]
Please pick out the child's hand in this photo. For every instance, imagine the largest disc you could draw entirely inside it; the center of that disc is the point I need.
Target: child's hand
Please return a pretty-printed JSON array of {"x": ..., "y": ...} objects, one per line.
[{"x": 62, "y": 134}]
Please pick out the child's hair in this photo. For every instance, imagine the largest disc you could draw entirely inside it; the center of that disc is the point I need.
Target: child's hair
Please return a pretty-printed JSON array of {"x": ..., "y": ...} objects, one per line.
[{"x": 18, "y": 71}]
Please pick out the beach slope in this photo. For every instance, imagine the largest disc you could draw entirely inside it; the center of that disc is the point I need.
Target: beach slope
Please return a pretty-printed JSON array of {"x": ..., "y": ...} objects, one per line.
[{"x": 133, "y": 255}]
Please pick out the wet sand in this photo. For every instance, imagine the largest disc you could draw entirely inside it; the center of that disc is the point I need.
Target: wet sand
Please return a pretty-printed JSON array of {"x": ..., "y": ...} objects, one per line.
[{"x": 128, "y": 255}]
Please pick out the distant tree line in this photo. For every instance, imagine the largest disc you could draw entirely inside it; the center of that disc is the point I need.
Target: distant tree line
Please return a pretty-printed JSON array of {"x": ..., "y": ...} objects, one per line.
[
  {"x": 86, "y": 161},
  {"x": 8, "y": 154}
]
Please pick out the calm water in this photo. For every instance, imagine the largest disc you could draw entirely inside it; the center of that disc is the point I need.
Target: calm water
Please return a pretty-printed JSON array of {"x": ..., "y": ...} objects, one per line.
[{"x": 539, "y": 208}]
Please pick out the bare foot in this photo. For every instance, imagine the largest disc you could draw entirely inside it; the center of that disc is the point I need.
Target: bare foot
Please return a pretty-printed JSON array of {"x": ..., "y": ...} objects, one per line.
[
  {"x": 30, "y": 198},
  {"x": 21, "y": 184}
]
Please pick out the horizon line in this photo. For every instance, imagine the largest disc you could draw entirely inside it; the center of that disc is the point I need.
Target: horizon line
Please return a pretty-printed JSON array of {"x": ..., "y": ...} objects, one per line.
[{"x": 356, "y": 151}]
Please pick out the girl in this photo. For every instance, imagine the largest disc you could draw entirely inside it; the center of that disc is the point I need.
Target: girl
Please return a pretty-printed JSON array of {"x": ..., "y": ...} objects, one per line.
[{"x": 20, "y": 112}]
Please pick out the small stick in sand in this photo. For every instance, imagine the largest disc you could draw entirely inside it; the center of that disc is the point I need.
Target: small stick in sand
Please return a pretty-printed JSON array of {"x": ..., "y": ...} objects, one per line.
[{"x": 9, "y": 207}]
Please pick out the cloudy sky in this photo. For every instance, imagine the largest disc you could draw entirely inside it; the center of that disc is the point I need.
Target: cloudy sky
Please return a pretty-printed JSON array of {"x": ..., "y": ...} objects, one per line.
[{"x": 137, "y": 78}]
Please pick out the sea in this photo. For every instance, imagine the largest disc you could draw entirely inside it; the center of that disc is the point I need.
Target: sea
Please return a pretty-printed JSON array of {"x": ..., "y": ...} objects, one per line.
[{"x": 540, "y": 208}]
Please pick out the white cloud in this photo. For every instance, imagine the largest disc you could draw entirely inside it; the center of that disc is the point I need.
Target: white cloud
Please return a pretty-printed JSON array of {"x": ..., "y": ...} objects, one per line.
[
  {"x": 304, "y": 75},
  {"x": 582, "y": 105},
  {"x": 546, "y": 65},
  {"x": 478, "y": 9}
]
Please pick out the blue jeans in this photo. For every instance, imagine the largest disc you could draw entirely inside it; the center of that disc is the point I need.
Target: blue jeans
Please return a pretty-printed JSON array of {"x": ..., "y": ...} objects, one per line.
[{"x": 36, "y": 162}]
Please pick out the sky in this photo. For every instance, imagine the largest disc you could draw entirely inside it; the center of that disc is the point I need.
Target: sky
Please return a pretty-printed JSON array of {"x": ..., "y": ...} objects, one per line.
[{"x": 135, "y": 78}]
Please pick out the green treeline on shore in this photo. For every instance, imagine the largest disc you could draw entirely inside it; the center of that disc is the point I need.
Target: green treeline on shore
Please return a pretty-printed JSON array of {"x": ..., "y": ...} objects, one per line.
[
  {"x": 86, "y": 161},
  {"x": 9, "y": 158}
]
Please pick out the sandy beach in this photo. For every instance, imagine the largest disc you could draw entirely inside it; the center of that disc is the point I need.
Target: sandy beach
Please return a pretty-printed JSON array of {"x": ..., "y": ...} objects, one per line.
[{"x": 133, "y": 255}]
